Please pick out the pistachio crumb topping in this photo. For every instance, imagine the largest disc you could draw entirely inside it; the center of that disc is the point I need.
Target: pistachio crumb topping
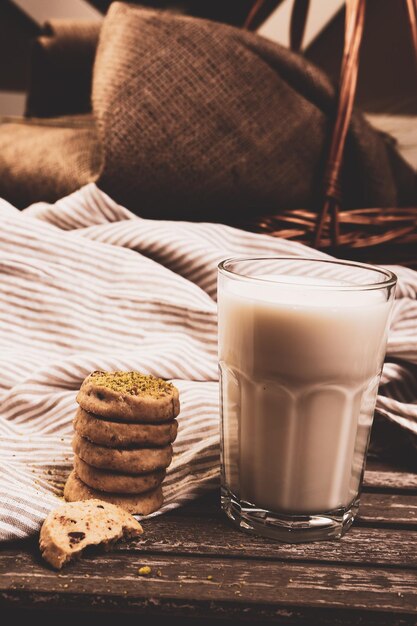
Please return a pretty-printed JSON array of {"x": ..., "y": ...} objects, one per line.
[{"x": 132, "y": 383}]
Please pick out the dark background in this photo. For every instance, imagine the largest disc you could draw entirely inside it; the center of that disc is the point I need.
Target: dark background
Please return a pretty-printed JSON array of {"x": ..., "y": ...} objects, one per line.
[{"x": 387, "y": 80}]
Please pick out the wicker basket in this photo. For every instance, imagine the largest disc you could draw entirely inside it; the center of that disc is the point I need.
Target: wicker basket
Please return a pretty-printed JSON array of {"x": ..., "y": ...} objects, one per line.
[{"x": 381, "y": 235}]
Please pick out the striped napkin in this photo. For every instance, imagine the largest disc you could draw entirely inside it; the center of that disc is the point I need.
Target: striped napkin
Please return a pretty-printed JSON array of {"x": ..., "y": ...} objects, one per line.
[{"x": 85, "y": 285}]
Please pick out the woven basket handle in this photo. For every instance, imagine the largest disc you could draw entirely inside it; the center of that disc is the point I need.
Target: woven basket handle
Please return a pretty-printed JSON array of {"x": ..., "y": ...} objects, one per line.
[{"x": 354, "y": 24}]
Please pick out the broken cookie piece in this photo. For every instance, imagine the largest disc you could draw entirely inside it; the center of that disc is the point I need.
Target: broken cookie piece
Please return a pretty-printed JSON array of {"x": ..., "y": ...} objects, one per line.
[{"x": 74, "y": 526}]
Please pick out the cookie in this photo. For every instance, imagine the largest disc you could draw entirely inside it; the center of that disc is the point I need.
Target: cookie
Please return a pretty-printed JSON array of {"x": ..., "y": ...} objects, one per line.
[
  {"x": 122, "y": 435},
  {"x": 129, "y": 461},
  {"x": 129, "y": 397},
  {"x": 68, "y": 530},
  {"x": 111, "y": 482},
  {"x": 141, "y": 504}
]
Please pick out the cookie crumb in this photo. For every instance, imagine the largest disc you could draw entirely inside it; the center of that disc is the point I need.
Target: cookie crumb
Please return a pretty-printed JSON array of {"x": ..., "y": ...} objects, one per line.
[{"x": 144, "y": 571}]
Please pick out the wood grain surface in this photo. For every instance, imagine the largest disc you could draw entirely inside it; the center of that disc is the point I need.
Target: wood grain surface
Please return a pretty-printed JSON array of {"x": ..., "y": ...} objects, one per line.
[{"x": 204, "y": 571}]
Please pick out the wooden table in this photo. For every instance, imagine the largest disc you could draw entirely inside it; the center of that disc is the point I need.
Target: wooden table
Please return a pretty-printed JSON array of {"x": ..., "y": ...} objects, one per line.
[{"x": 204, "y": 570}]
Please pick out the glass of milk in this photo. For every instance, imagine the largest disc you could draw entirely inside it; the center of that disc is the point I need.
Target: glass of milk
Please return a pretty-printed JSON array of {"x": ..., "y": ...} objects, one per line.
[{"x": 301, "y": 348}]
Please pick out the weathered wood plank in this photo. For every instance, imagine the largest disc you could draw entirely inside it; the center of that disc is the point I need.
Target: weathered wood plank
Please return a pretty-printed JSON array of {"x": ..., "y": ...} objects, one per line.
[
  {"x": 384, "y": 508},
  {"x": 213, "y": 534},
  {"x": 375, "y": 508},
  {"x": 216, "y": 536},
  {"x": 390, "y": 480},
  {"x": 250, "y": 583},
  {"x": 369, "y": 577},
  {"x": 398, "y": 474}
]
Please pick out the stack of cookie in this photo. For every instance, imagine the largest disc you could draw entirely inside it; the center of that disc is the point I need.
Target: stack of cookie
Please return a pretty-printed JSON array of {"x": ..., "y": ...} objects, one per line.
[{"x": 124, "y": 429}]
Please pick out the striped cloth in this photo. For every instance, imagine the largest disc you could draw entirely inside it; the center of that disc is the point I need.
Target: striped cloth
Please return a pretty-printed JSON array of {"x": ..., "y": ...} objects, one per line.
[{"x": 85, "y": 285}]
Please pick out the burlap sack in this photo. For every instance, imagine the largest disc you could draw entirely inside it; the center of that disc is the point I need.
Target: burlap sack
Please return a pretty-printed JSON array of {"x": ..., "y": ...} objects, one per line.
[
  {"x": 202, "y": 120},
  {"x": 45, "y": 161},
  {"x": 199, "y": 120}
]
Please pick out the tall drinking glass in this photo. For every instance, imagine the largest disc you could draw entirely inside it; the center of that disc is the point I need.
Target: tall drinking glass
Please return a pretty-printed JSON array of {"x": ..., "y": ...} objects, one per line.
[{"x": 301, "y": 348}]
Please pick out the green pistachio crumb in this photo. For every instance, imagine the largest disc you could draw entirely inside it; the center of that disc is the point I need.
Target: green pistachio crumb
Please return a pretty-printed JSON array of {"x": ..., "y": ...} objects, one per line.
[{"x": 132, "y": 383}]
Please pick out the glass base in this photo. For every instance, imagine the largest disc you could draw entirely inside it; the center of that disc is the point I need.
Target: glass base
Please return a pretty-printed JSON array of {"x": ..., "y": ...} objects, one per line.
[{"x": 288, "y": 528}]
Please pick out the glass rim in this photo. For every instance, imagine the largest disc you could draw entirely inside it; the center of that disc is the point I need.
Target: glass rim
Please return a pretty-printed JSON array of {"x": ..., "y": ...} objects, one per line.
[{"x": 390, "y": 277}]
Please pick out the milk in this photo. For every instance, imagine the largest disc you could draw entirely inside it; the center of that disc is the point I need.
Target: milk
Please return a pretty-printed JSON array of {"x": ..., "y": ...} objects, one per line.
[{"x": 300, "y": 369}]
